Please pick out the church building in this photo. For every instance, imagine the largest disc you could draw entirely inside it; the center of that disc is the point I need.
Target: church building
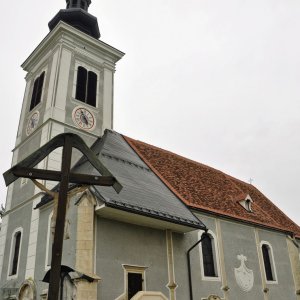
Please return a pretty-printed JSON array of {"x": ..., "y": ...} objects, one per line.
[{"x": 173, "y": 229}]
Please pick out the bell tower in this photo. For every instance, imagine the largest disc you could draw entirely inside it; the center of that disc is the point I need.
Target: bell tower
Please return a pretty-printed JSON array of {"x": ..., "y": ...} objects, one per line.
[{"x": 69, "y": 88}]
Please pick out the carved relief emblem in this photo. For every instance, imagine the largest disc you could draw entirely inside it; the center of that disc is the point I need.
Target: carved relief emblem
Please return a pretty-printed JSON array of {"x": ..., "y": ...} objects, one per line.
[{"x": 244, "y": 276}]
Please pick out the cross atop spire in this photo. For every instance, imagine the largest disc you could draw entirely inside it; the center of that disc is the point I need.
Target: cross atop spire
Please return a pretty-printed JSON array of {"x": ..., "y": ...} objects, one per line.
[{"x": 76, "y": 14}]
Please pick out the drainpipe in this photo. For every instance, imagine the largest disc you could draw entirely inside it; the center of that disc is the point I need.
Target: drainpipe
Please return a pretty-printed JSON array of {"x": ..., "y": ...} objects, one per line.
[{"x": 189, "y": 263}]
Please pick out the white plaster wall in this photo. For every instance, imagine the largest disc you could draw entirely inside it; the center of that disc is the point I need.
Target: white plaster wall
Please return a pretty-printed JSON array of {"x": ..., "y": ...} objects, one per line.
[
  {"x": 51, "y": 87},
  {"x": 3, "y": 233},
  {"x": 62, "y": 85},
  {"x": 23, "y": 112}
]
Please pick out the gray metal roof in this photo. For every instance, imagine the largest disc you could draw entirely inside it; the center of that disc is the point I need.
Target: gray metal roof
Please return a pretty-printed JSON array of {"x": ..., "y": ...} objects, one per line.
[{"x": 143, "y": 192}]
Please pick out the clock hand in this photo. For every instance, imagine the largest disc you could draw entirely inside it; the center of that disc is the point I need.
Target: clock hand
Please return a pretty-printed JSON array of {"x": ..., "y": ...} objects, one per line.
[{"x": 84, "y": 118}]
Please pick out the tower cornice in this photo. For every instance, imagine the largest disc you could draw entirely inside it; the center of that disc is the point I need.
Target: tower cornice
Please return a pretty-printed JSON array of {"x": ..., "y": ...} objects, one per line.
[{"x": 66, "y": 32}]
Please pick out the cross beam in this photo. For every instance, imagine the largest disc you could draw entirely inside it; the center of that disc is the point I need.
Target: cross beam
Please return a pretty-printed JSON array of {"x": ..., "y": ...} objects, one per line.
[
  {"x": 65, "y": 176},
  {"x": 57, "y": 176}
]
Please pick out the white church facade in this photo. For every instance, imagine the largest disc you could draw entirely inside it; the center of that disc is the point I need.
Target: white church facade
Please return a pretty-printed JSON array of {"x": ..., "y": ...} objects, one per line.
[{"x": 177, "y": 229}]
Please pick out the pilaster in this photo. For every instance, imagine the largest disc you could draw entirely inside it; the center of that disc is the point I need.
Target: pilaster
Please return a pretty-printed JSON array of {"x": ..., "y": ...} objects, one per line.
[
  {"x": 85, "y": 248},
  {"x": 295, "y": 263},
  {"x": 225, "y": 287},
  {"x": 170, "y": 256}
]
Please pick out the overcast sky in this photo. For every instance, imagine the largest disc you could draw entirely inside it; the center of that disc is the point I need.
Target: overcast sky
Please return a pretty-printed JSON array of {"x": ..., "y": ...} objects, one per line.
[{"x": 216, "y": 81}]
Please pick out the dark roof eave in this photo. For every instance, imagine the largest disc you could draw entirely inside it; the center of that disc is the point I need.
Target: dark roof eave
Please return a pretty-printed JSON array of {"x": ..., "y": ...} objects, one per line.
[{"x": 158, "y": 217}]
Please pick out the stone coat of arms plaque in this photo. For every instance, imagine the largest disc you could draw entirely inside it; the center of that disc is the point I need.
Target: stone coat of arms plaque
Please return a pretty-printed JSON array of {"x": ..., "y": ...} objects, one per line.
[{"x": 244, "y": 276}]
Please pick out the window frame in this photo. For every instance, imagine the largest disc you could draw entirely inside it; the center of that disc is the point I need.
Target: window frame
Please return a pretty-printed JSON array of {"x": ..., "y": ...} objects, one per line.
[
  {"x": 216, "y": 257},
  {"x": 49, "y": 242},
  {"x": 12, "y": 253},
  {"x": 137, "y": 270},
  {"x": 88, "y": 68},
  {"x": 272, "y": 263}
]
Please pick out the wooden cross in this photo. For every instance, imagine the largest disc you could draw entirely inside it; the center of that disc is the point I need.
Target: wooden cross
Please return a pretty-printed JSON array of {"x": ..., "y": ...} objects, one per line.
[{"x": 26, "y": 169}]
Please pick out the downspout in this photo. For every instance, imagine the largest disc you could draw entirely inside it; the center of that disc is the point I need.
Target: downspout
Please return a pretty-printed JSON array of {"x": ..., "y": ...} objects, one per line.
[{"x": 189, "y": 263}]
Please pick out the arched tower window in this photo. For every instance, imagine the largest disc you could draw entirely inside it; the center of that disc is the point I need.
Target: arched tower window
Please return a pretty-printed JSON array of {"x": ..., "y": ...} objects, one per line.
[
  {"x": 86, "y": 86},
  {"x": 268, "y": 259},
  {"x": 15, "y": 252},
  {"x": 37, "y": 91}
]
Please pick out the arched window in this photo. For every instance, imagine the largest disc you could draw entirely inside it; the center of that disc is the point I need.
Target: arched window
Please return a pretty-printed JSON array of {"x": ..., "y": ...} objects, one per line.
[
  {"x": 209, "y": 257},
  {"x": 268, "y": 259},
  {"x": 15, "y": 252},
  {"x": 86, "y": 86},
  {"x": 37, "y": 91}
]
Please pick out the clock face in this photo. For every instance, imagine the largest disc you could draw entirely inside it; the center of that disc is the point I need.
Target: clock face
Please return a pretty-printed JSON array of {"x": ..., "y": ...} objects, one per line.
[
  {"x": 32, "y": 122},
  {"x": 83, "y": 118}
]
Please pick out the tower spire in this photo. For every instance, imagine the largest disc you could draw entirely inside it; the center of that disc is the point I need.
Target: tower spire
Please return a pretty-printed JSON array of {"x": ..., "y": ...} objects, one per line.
[
  {"x": 83, "y": 4},
  {"x": 76, "y": 14}
]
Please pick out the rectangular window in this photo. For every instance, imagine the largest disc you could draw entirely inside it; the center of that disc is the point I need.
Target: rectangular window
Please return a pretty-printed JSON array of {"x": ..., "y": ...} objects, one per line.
[
  {"x": 92, "y": 87},
  {"x": 81, "y": 84},
  {"x": 134, "y": 280},
  {"x": 135, "y": 284}
]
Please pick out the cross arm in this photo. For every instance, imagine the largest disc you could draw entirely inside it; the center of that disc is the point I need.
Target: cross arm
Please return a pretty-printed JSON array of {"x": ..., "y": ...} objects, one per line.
[{"x": 33, "y": 173}]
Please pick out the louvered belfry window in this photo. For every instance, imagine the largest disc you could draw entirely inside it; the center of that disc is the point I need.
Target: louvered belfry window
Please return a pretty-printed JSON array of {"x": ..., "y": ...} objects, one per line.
[
  {"x": 267, "y": 262},
  {"x": 16, "y": 253},
  {"x": 86, "y": 86},
  {"x": 208, "y": 256},
  {"x": 37, "y": 91}
]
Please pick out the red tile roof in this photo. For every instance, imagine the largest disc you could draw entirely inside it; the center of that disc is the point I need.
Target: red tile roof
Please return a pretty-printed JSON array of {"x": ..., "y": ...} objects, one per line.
[{"x": 210, "y": 190}]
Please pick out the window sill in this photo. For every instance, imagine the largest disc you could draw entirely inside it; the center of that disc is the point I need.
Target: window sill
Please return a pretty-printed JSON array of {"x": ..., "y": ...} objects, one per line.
[
  {"x": 272, "y": 282},
  {"x": 207, "y": 278}
]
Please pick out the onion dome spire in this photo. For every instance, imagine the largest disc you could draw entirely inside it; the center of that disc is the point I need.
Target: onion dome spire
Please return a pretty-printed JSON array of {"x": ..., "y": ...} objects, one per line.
[{"x": 76, "y": 14}]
